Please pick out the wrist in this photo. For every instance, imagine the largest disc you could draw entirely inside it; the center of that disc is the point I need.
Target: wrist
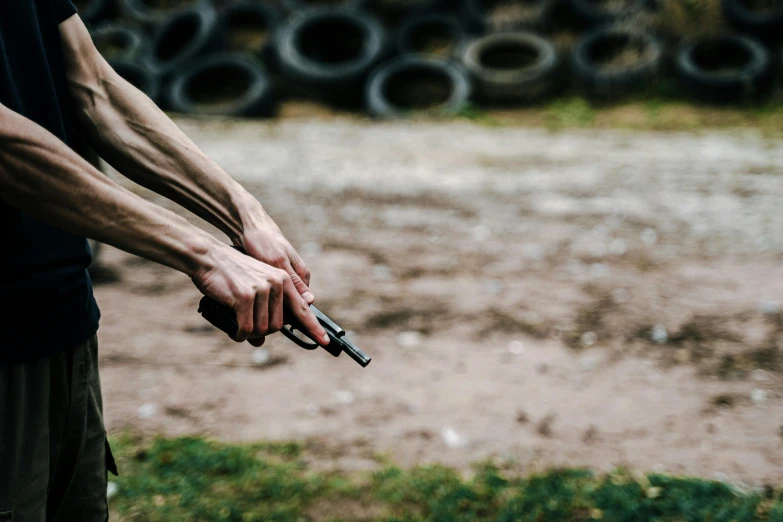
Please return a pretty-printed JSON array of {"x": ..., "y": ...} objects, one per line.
[
  {"x": 201, "y": 254},
  {"x": 249, "y": 215}
]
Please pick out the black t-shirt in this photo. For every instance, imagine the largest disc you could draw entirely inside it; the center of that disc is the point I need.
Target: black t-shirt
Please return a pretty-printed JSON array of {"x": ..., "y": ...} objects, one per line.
[{"x": 46, "y": 301}]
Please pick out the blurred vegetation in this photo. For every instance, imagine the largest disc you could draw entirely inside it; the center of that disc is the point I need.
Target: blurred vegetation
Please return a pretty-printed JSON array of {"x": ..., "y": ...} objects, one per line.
[{"x": 188, "y": 479}]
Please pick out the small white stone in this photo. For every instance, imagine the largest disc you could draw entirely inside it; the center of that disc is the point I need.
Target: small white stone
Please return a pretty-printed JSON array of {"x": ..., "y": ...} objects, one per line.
[
  {"x": 533, "y": 252},
  {"x": 147, "y": 410},
  {"x": 452, "y": 439},
  {"x": 589, "y": 338},
  {"x": 409, "y": 339},
  {"x": 481, "y": 233},
  {"x": 344, "y": 396},
  {"x": 649, "y": 236},
  {"x": 618, "y": 247},
  {"x": 659, "y": 334},
  {"x": 381, "y": 273},
  {"x": 620, "y": 295},
  {"x": 769, "y": 307},
  {"x": 598, "y": 270},
  {"x": 260, "y": 356},
  {"x": 758, "y": 395},
  {"x": 494, "y": 286},
  {"x": 111, "y": 489},
  {"x": 516, "y": 347}
]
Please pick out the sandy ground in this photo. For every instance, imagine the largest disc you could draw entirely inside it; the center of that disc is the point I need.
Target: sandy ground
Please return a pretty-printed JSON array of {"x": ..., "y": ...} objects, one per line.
[{"x": 583, "y": 298}]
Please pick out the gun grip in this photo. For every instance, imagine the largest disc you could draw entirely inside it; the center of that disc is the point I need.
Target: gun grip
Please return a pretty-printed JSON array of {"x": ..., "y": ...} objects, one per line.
[{"x": 219, "y": 316}]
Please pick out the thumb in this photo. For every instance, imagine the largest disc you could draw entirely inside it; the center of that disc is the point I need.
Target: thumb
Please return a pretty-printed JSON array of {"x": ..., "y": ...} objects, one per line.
[{"x": 300, "y": 285}]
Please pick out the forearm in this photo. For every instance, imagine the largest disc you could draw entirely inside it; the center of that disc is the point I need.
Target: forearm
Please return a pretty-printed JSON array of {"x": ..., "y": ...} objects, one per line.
[
  {"x": 44, "y": 178},
  {"x": 141, "y": 142}
]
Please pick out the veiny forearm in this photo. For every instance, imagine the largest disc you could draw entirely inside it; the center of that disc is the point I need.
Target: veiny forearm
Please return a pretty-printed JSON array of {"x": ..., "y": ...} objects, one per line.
[
  {"x": 44, "y": 178},
  {"x": 141, "y": 142}
]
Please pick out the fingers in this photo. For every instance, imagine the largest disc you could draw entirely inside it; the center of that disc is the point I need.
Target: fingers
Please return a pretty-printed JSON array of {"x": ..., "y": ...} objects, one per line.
[
  {"x": 244, "y": 309},
  {"x": 299, "y": 267},
  {"x": 276, "y": 305},
  {"x": 258, "y": 342},
  {"x": 299, "y": 276},
  {"x": 301, "y": 310},
  {"x": 261, "y": 315},
  {"x": 301, "y": 287}
]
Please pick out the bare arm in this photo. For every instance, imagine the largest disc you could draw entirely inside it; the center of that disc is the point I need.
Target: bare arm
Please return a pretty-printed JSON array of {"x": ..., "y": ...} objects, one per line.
[
  {"x": 41, "y": 176},
  {"x": 141, "y": 142}
]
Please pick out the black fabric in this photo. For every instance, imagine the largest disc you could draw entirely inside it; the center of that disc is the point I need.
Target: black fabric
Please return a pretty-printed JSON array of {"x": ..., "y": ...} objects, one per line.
[{"x": 45, "y": 291}]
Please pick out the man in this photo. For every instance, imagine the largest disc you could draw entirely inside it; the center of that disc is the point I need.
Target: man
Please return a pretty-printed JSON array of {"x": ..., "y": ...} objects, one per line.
[{"x": 55, "y": 92}]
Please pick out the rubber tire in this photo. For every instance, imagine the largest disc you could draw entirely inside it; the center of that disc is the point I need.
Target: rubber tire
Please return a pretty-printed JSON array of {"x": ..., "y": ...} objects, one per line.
[
  {"x": 587, "y": 14},
  {"x": 257, "y": 101},
  {"x": 392, "y": 13},
  {"x": 97, "y": 11},
  {"x": 765, "y": 26},
  {"x": 404, "y": 37},
  {"x": 139, "y": 76},
  {"x": 380, "y": 106},
  {"x": 299, "y": 5},
  {"x": 149, "y": 17},
  {"x": 203, "y": 39},
  {"x": 479, "y": 20},
  {"x": 599, "y": 83},
  {"x": 341, "y": 83},
  {"x": 248, "y": 8},
  {"x": 753, "y": 81},
  {"x": 525, "y": 84},
  {"x": 133, "y": 41}
]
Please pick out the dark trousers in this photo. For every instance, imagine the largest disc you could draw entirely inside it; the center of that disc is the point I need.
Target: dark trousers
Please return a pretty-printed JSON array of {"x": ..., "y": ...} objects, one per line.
[{"x": 53, "y": 449}]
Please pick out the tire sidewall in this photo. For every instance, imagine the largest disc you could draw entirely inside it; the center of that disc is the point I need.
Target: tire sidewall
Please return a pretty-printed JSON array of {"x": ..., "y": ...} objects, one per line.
[{"x": 379, "y": 106}]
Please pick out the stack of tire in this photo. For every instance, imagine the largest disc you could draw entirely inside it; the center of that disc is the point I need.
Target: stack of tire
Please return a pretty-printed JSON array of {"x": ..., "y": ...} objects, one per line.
[{"x": 400, "y": 57}]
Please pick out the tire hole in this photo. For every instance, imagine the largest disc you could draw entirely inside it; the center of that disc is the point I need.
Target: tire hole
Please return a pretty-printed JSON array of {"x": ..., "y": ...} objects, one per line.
[
  {"x": 721, "y": 57},
  {"x": 177, "y": 37},
  {"x": 216, "y": 86},
  {"x": 418, "y": 89},
  {"x": 509, "y": 56},
  {"x": 332, "y": 41}
]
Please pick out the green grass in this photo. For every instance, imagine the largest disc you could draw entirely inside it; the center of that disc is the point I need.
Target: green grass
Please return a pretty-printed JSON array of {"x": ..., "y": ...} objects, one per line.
[
  {"x": 571, "y": 113},
  {"x": 192, "y": 479}
]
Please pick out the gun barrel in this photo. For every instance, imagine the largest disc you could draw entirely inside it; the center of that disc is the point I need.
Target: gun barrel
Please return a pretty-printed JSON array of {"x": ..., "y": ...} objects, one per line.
[{"x": 355, "y": 353}]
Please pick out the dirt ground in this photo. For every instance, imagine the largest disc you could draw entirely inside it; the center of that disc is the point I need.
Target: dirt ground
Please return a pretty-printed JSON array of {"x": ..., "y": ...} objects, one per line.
[{"x": 596, "y": 298}]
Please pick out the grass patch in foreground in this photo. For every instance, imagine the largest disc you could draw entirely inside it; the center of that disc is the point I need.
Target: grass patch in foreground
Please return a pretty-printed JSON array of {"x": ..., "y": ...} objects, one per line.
[{"x": 193, "y": 479}]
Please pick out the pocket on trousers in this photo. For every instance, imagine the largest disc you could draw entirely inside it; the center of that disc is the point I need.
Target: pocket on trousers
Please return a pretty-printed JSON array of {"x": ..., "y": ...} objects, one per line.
[
  {"x": 6, "y": 516},
  {"x": 111, "y": 465}
]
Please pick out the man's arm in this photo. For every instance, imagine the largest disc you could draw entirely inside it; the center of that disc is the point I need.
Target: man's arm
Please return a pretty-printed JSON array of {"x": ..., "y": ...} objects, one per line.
[
  {"x": 41, "y": 176},
  {"x": 142, "y": 143}
]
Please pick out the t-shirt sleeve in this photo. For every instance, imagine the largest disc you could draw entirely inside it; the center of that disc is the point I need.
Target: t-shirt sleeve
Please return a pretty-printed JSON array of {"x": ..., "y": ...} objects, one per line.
[{"x": 64, "y": 9}]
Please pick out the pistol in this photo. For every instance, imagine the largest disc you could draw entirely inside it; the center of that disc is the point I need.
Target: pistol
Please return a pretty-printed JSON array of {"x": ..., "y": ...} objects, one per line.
[{"x": 224, "y": 318}]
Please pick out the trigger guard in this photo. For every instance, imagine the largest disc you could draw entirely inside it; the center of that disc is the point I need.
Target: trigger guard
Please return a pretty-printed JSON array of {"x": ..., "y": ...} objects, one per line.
[{"x": 288, "y": 331}]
